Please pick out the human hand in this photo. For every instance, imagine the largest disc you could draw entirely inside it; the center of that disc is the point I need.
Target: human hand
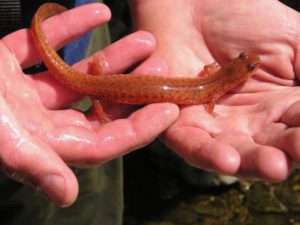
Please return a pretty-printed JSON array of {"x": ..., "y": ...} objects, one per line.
[
  {"x": 38, "y": 138},
  {"x": 256, "y": 132}
]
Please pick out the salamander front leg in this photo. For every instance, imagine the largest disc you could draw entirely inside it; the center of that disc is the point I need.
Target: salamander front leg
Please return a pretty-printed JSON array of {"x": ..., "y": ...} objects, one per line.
[
  {"x": 209, "y": 107},
  {"x": 98, "y": 71},
  {"x": 209, "y": 69}
]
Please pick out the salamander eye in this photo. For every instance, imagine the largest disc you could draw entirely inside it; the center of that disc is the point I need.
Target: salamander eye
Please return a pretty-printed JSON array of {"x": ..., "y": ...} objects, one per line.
[
  {"x": 243, "y": 55},
  {"x": 251, "y": 66}
]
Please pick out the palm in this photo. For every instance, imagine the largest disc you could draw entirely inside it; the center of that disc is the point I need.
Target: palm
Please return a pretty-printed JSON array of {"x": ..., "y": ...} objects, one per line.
[{"x": 193, "y": 34}]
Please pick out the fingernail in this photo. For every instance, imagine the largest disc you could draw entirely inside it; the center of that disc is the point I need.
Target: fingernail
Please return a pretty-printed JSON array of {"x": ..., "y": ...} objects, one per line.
[{"x": 53, "y": 187}]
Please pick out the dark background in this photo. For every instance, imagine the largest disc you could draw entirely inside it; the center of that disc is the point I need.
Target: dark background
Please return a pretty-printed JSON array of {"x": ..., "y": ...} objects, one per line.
[{"x": 151, "y": 176}]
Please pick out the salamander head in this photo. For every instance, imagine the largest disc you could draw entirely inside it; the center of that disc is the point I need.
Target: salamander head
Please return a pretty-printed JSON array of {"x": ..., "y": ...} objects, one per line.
[
  {"x": 242, "y": 67},
  {"x": 237, "y": 71},
  {"x": 252, "y": 60}
]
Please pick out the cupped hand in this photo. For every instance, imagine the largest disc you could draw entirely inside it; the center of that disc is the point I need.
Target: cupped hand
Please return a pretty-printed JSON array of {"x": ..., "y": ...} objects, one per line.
[
  {"x": 255, "y": 132},
  {"x": 39, "y": 138}
]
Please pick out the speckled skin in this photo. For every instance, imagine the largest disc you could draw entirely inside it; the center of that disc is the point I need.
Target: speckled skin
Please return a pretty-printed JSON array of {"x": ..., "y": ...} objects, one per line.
[{"x": 141, "y": 89}]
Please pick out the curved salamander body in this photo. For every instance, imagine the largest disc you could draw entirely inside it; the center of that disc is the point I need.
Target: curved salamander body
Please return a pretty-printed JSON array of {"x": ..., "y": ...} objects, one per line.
[{"x": 141, "y": 89}]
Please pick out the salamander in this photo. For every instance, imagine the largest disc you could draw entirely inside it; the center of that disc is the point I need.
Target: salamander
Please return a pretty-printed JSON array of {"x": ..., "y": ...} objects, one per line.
[{"x": 141, "y": 89}]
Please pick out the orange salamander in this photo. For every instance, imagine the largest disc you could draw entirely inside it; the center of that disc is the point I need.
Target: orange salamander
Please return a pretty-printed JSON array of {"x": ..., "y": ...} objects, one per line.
[{"x": 141, "y": 89}]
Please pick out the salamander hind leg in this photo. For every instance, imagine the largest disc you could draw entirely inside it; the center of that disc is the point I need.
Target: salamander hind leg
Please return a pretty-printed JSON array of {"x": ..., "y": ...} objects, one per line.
[
  {"x": 103, "y": 117},
  {"x": 97, "y": 65},
  {"x": 98, "y": 71}
]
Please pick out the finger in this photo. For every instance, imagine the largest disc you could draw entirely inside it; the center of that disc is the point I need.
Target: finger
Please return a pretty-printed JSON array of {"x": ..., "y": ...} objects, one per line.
[
  {"x": 123, "y": 54},
  {"x": 94, "y": 145},
  {"x": 199, "y": 149},
  {"x": 152, "y": 66},
  {"x": 291, "y": 116},
  {"x": 116, "y": 57},
  {"x": 34, "y": 163},
  {"x": 281, "y": 137},
  {"x": 257, "y": 161},
  {"x": 60, "y": 30},
  {"x": 263, "y": 162}
]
